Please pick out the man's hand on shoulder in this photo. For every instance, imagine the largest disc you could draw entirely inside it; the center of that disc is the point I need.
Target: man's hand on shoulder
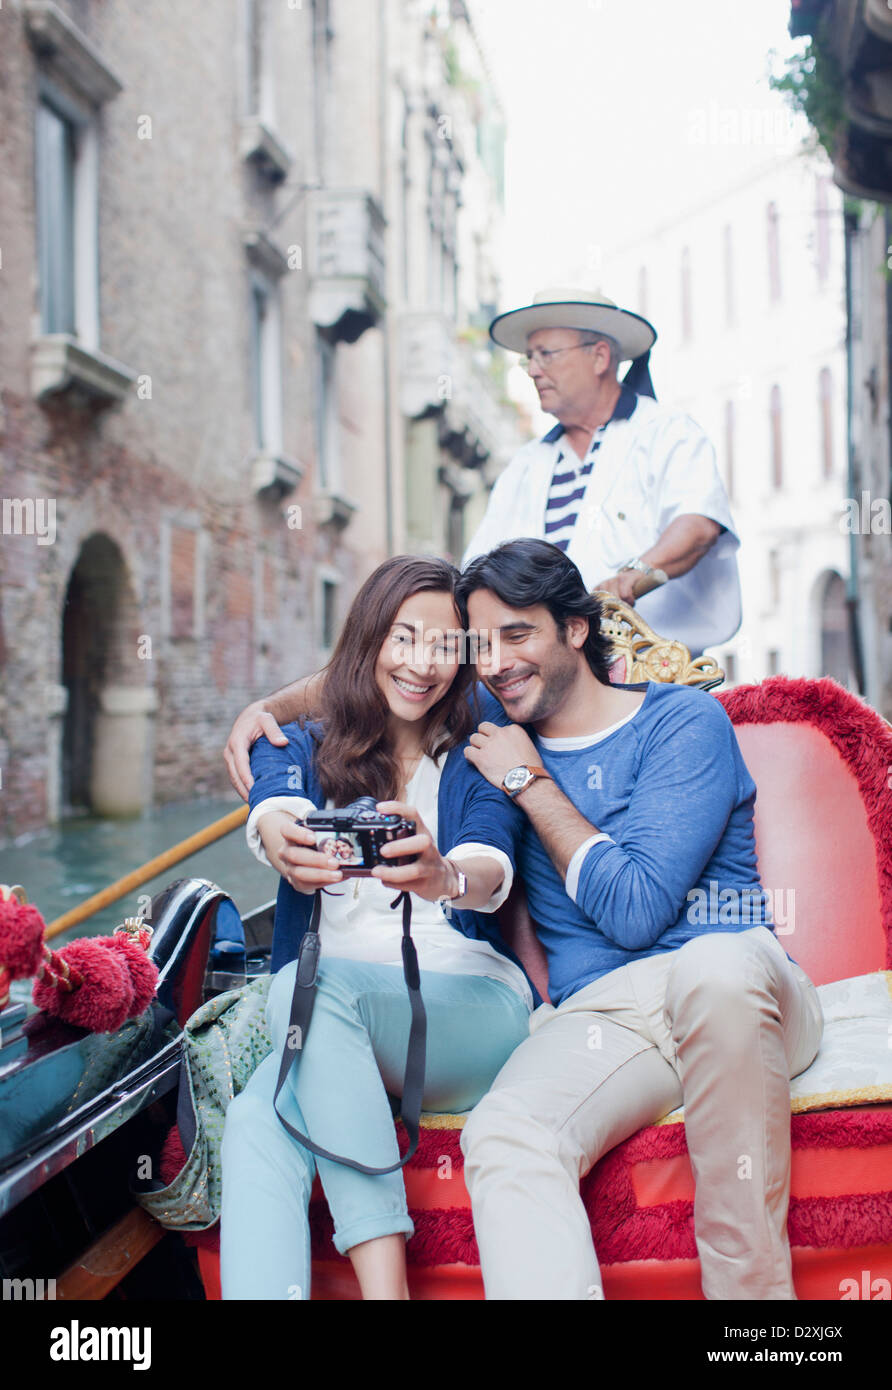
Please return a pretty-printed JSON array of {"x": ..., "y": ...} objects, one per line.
[
  {"x": 494, "y": 749},
  {"x": 254, "y": 722}
]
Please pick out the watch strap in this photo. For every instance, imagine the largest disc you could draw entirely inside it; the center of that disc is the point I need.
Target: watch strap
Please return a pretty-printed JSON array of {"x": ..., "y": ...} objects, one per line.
[{"x": 534, "y": 770}]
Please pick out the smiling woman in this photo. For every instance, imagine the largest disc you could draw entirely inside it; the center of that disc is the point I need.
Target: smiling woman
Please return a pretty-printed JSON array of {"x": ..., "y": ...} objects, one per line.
[
  {"x": 396, "y": 722},
  {"x": 420, "y": 659},
  {"x": 406, "y": 598}
]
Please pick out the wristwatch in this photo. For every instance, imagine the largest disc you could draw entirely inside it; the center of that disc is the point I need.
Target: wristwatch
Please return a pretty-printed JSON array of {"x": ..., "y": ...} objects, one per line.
[
  {"x": 658, "y": 576},
  {"x": 520, "y": 777}
]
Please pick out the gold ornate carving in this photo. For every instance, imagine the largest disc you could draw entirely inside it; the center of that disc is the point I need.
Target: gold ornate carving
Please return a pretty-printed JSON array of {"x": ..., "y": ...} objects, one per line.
[{"x": 649, "y": 657}]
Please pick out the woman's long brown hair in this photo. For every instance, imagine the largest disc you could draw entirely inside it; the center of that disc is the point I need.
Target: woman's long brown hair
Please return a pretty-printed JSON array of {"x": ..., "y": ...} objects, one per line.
[{"x": 354, "y": 757}]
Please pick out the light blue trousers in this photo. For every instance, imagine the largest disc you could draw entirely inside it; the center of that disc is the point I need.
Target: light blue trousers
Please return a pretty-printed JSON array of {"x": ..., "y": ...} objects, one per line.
[{"x": 337, "y": 1093}]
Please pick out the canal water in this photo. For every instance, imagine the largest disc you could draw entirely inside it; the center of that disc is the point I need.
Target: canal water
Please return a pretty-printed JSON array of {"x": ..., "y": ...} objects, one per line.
[{"x": 61, "y": 866}]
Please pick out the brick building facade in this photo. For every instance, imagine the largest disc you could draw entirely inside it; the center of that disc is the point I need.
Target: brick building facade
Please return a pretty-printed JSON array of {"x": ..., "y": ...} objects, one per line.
[{"x": 202, "y": 440}]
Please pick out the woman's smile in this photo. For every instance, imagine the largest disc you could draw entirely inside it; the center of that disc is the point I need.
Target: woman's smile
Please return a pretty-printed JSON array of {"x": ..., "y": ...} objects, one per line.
[
  {"x": 411, "y": 690},
  {"x": 419, "y": 658}
]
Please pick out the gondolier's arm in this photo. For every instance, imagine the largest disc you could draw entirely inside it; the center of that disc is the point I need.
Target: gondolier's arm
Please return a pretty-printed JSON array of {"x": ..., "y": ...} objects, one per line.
[{"x": 682, "y": 545}]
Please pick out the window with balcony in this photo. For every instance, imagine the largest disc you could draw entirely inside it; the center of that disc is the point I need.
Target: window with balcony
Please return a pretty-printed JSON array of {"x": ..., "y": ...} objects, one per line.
[
  {"x": 266, "y": 366},
  {"x": 259, "y": 142},
  {"x": 260, "y": 83},
  {"x": 72, "y": 83},
  {"x": 331, "y": 506},
  {"x": 273, "y": 474}
]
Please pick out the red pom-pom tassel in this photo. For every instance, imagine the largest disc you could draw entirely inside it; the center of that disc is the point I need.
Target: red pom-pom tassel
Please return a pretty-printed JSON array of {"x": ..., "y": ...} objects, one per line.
[
  {"x": 96, "y": 982},
  {"x": 21, "y": 938},
  {"x": 106, "y": 996},
  {"x": 143, "y": 972}
]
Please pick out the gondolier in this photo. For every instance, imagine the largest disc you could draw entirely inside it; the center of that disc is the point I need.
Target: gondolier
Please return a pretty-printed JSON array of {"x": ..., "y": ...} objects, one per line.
[{"x": 626, "y": 486}]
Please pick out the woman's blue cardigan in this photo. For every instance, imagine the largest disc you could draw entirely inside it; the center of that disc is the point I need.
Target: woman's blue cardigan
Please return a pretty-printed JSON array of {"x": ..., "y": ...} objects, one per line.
[{"x": 468, "y": 808}]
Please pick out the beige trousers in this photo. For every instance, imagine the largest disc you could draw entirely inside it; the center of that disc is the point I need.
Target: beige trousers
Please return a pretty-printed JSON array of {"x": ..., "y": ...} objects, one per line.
[{"x": 720, "y": 1024}]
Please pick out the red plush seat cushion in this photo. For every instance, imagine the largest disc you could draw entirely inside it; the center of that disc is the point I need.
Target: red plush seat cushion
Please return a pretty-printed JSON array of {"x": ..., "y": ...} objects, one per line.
[{"x": 640, "y": 1201}]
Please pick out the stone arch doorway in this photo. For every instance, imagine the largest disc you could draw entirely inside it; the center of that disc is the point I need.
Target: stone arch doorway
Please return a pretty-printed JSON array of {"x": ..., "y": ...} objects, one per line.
[
  {"x": 836, "y": 646},
  {"x": 106, "y": 744}
]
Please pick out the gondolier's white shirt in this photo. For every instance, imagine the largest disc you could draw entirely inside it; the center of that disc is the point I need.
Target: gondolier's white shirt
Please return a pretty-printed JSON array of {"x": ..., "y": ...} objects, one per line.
[{"x": 650, "y": 468}]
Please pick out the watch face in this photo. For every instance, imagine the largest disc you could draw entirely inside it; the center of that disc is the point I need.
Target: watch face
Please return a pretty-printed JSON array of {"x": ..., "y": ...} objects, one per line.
[{"x": 516, "y": 778}]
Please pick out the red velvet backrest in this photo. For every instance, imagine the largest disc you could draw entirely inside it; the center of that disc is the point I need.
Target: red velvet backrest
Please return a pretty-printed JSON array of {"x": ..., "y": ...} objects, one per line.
[{"x": 822, "y": 763}]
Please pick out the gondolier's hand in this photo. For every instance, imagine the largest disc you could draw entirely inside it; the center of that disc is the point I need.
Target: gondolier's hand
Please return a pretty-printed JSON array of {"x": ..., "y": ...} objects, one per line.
[
  {"x": 430, "y": 875},
  {"x": 253, "y": 722},
  {"x": 495, "y": 748},
  {"x": 621, "y": 585}
]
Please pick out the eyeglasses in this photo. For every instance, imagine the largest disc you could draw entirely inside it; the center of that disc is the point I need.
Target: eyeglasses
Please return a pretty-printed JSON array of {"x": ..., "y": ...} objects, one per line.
[{"x": 542, "y": 356}]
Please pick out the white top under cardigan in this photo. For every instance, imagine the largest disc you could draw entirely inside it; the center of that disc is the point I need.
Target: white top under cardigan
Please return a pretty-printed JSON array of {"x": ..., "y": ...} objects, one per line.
[{"x": 358, "y": 923}]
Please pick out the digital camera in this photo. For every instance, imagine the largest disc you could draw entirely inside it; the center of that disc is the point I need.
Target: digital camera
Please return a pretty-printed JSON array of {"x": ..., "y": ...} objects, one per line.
[{"x": 354, "y": 835}]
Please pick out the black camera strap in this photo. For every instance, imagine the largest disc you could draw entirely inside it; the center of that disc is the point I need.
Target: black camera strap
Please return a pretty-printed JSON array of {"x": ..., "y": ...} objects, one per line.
[{"x": 298, "y": 1025}]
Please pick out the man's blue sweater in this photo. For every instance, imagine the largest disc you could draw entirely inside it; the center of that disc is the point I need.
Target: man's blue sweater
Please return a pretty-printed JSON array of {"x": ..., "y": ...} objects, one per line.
[{"x": 672, "y": 790}]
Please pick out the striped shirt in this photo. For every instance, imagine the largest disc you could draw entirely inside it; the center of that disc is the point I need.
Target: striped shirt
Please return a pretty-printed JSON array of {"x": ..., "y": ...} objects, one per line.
[{"x": 570, "y": 477}]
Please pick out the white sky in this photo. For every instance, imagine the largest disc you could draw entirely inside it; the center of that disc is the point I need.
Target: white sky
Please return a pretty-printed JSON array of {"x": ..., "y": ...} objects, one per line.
[{"x": 621, "y": 113}]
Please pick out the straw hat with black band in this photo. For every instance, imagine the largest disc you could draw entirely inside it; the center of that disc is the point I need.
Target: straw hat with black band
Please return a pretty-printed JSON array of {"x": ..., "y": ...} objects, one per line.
[{"x": 590, "y": 312}]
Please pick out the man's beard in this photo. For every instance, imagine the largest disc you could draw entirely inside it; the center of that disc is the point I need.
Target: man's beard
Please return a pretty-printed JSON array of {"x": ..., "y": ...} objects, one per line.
[{"x": 556, "y": 681}]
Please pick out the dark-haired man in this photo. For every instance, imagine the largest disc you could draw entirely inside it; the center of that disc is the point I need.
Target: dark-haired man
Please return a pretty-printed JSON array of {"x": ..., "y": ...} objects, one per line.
[{"x": 636, "y": 800}]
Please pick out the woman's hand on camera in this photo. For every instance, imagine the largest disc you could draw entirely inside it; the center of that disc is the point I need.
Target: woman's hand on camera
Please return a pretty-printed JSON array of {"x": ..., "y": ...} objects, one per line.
[
  {"x": 430, "y": 875},
  {"x": 305, "y": 867}
]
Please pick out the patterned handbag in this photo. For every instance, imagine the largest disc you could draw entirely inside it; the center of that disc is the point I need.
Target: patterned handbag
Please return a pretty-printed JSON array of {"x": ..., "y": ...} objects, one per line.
[{"x": 223, "y": 1044}]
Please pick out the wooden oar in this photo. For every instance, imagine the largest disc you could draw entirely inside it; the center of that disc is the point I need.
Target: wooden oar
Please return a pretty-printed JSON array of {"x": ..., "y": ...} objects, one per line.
[{"x": 155, "y": 866}]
